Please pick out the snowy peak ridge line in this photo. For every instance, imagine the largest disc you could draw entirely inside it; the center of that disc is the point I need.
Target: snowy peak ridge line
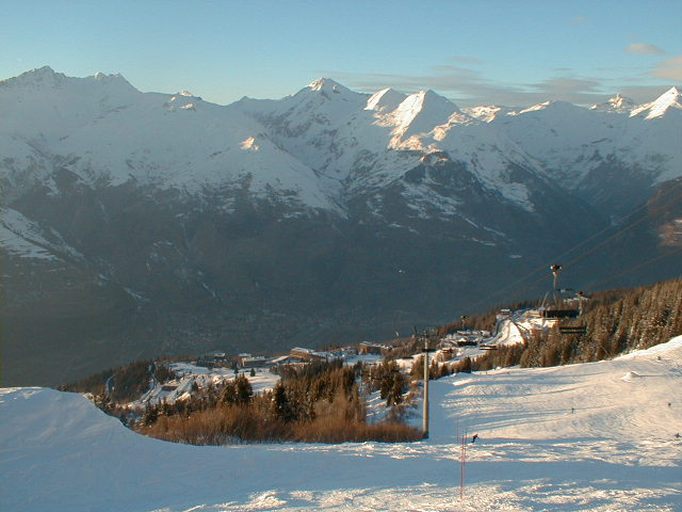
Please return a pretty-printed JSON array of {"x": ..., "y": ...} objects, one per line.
[
  {"x": 329, "y": 91},
  {"x": 316, "y": 146},
  {"x": 551, "y": 105},
  {"x": 46, "y": 78},
  {"x": 327, "y": 84},
  {"x": 671, "y": 99},
  {"x": 618, "y": 104},
  {"x": 385, "y": 100},
  {"x": 487, "y": 113},
  {"x": 43, "y": 75},
  {"x": 421, "y": 112}
]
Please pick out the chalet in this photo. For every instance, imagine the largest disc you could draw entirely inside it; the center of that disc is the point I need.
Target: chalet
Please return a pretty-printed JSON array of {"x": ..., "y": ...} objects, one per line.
[
  {"x": 307, "y": 354},
  {"x": 349, "y": 351},
  {"x": 212, "y": 358},
  {"x": 365, "y": 347},
  {"x": 445, "y": 354},
  {"x": 250, "y": 361},
  {"x": 284, "y": 360}
]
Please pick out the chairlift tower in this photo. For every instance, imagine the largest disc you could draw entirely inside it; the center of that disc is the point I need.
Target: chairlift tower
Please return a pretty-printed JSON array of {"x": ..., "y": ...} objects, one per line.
[
  {"x": 563, "y": 312},
  {"x": 556, "y": 269},
  {"x": 425, "y": 418}
]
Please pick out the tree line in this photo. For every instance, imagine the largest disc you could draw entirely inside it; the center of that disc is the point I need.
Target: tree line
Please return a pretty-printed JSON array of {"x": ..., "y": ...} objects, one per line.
[
  {"x": 317, "y": 402},
  {"x": 616, "y": 321}
]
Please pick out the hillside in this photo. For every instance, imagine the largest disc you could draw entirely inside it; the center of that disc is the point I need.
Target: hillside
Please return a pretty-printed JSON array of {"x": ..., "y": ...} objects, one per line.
[{"x": 597, "y": 436}]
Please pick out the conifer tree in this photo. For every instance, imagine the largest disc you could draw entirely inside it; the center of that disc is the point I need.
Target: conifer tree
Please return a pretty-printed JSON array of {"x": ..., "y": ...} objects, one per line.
[{"x": 243, "y": 390}]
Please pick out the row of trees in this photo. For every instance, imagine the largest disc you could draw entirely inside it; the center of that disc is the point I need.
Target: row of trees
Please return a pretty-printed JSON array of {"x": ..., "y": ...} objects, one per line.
[
  {"x": 127, "y": 382},
  {"x": 617, "y": 321},
  {"x": 387, "y": 378},
  {"x": 319, "y": 402}
]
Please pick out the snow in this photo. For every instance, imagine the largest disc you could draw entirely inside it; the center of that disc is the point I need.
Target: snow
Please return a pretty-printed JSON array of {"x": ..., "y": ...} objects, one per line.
[
  {"x": 14, "y": 243},
  {"x": 578, "y": 437},
  {"x": 417, "y": 114},
  {"x": 320, "y": 148},
  {"x": 101, "y": 128},
  {"x": 22, "y": 237},
  {"x": 487, "y": 113},
  {"x": 385, "y": 100},
  {"x": 616, "y": 104},
  {"x": 671, "y": 99}
]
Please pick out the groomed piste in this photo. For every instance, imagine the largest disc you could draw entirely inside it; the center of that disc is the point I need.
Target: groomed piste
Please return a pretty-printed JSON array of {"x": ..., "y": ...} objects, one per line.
[{"x": 599, "y": 436}]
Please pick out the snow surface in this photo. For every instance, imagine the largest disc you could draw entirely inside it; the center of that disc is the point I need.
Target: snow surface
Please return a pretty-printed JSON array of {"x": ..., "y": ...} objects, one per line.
[
  {"x": 22, "y": 237},
  {"x": 578, "y": 437},
  {"x": 616, "y": 104},
  {"x": 671, "y": 99}
]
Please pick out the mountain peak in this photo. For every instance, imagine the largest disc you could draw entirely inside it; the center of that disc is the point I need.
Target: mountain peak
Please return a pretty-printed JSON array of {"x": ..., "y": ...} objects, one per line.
[
  {"x": 670, "y": 99},
  {"x": 385, "y": 100},
  {"x": 620, "y": 102},
  {"x": 326, "y": 85},
  {"x": 421, "y": 112},
  {"x": 41, "y": 71},
  {"x": 617, "y": 103},
  {"x": 46, "y": 78},
  {"x": 38, "y": 76},
  {"x": 110, "y": 78},
  {"x": 487, "y": 113},
  {"x": 429, "y": 97}
]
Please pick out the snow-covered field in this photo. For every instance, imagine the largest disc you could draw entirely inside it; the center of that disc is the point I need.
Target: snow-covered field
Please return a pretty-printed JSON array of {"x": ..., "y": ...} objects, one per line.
[{"x": 598, "y": 436}]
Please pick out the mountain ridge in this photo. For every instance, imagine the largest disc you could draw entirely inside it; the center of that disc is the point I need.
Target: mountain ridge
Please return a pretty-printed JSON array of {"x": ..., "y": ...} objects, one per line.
[{"x": 183, "y": 223}]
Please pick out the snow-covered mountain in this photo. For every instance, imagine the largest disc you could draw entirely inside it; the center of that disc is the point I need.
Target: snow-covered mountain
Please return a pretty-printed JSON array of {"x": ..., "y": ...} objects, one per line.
[
  {"x": 618, "y": 103},
  {"x": 324, "y": 215},
  {"x": 106, "y": 132},
  {"x": 670, "y": 100}
]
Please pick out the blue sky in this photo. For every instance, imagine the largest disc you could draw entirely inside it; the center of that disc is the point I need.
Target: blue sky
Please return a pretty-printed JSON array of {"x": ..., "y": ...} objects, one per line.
[{"x": 506, "y": 52}]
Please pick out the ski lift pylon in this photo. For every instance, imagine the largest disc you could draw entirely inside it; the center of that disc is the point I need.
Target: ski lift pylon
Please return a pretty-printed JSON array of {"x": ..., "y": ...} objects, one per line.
[{"x": 562, "y": 312}]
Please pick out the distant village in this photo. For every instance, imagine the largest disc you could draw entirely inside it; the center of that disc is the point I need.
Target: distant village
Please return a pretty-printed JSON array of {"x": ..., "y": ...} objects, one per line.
[
  {"x": 446, "y": 348},
  {"x": 296, "y": 355}
]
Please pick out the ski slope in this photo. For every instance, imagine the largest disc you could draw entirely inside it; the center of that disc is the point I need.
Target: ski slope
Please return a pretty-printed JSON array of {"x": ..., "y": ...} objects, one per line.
[{"x": 598, "y": 436}]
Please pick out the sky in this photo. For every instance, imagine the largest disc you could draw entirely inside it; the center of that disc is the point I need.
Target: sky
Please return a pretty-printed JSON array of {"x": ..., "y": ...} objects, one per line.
[{"x": 473, "y": 52}]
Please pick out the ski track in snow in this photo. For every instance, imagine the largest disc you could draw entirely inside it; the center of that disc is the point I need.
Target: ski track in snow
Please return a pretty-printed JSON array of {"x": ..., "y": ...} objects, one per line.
[{"x": 579, "y": 437}]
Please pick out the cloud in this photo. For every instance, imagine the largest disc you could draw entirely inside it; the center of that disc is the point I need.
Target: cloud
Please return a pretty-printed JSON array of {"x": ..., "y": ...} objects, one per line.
[
  {"x": 460, "y": 78},
  {"x": 644, "y": 49},
  {"x": 670, "y": 69},
  {"x": 566, "y": 86},
  {"x": 643, "y": 93},
  {"x": 468, "y": 86}
]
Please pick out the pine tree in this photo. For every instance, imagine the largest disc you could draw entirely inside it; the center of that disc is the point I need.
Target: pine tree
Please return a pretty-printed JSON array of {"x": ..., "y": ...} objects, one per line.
[
  {"x": 229, "y": 395},
  {"x": 151, "y": 414},
  {"x": 280, "y": 402},
  {"x": 243, "y": 390},
  {"x": 395, "y": 394}
]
